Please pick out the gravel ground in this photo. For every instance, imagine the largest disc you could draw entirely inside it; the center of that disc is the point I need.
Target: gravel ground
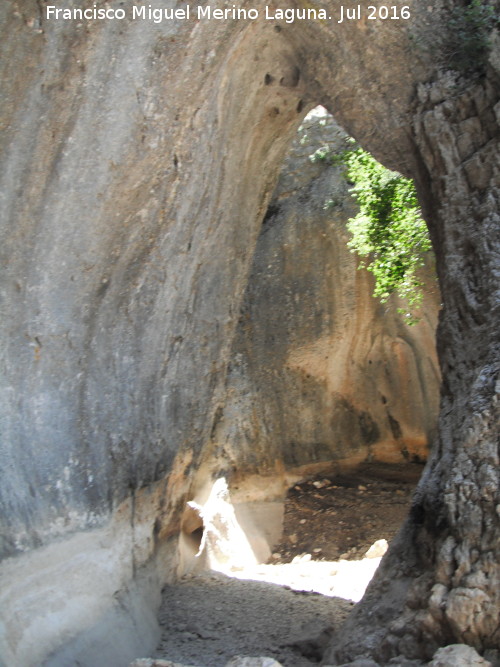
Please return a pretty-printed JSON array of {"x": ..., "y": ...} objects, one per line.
[{"x": 209, "y": 619}]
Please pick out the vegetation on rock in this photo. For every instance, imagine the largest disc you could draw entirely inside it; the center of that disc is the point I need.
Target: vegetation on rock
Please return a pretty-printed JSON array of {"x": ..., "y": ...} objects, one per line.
[
  {"x": 388, "y": 232},
  {"x": 468, "y": 41}
]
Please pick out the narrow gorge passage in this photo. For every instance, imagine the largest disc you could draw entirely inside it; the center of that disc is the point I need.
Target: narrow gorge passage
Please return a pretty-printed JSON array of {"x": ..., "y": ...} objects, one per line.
[{"x": 138, "y": 160}]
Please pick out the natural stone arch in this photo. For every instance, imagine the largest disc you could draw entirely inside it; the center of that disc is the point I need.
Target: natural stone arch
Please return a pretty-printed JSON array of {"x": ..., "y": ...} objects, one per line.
[
  {"x": 322, "y": 377},
  {"x": 118, "y": 299}
]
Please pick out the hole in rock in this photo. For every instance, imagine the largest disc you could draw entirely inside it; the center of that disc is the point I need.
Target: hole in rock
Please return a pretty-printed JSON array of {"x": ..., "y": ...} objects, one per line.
[{"x": 195, "y": 538}]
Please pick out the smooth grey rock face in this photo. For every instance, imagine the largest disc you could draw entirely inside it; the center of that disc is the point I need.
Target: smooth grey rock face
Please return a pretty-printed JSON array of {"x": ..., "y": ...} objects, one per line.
[
  {"x": 137, "y": 162},
  {"x": 119, "y": 316}
]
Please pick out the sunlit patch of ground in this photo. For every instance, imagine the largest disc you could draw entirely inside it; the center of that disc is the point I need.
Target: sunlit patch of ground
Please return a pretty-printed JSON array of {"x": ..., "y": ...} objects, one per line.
[
  {"x": 343, "y": 578},
  {"x": 335, "y": 531}
]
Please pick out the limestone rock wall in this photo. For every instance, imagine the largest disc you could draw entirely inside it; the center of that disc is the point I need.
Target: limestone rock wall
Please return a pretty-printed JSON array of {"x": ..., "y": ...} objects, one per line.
[
  {"x": 321, "y": 372},
  {"x": 137, "y": 164},
  {"x": 127, "y": 231},
  {"x": 137, "y": 161},
  {"x": 126, "y": 241},
  {"x": 451, "y": 537}
]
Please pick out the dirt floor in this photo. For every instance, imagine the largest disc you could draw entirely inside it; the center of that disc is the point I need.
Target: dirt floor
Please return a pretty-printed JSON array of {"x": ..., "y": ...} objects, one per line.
[
  {"x": 207, "y": 619},
  {"x": 342, "y": 517}
]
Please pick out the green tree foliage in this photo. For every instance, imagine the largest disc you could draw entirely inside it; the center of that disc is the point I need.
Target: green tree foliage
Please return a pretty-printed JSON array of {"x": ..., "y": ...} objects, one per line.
[
  {"x": 388, "y": 232},
  {"x": 467, "y": 41}
]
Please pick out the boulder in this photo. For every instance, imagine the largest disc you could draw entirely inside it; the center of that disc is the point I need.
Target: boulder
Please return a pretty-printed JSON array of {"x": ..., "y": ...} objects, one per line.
[
  {"x": 458, "y": 655},
  {"x": 243, "y": 661}
]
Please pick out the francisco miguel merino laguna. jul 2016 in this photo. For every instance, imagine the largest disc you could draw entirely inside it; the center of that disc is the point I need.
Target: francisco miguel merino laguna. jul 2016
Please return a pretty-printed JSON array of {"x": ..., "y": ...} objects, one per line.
[{"x": 289, "y": 15}]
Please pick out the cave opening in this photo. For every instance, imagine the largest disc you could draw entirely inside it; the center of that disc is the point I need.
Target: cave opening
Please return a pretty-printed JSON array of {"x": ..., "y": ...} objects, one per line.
[{"x": 326, "y": 380}]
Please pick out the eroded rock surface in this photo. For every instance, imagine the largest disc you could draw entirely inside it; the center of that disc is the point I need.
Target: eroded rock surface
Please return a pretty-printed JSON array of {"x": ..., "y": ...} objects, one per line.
[
  {"x": 321, "y": 372},
  {"x": 454, "y": 523},
  {"x": 137, "y": 163}
]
